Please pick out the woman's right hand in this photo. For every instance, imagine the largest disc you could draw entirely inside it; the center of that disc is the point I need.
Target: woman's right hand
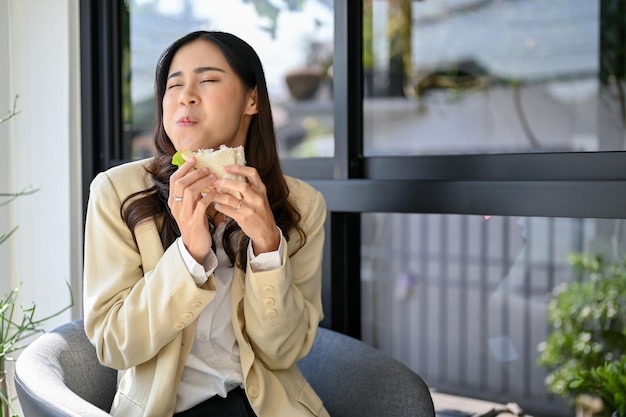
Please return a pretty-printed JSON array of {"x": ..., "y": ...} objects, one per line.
[{"x": 189, "y": 203}]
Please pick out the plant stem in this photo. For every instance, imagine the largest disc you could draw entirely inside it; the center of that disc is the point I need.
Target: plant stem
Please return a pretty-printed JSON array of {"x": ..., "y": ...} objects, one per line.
[
  {"x": 12, "y": 113},
  {"x": 4, "y": 390},
  {"x": 12, "y": 196}
]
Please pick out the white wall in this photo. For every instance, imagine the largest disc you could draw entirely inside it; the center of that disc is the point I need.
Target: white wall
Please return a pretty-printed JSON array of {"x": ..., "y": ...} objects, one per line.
[
  {"x": 5, "y": 100},
  {"x": 40, "y": 62}
]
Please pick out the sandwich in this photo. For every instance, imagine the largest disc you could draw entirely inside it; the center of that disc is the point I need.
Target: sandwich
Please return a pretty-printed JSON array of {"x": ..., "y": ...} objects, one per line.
[{"x": 216, "y": 160}]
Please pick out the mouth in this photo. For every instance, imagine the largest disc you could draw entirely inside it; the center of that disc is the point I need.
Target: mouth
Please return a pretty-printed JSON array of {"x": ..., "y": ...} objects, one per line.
[{"x": 186, "y": 121}]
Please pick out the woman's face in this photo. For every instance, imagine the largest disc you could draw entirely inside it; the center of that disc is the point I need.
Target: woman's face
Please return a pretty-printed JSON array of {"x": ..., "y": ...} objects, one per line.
[{"x": 205, "y": 103}]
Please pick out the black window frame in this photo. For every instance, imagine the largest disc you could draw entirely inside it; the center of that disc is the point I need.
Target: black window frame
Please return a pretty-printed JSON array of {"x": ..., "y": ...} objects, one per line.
[{"x": 573, "y": 184}]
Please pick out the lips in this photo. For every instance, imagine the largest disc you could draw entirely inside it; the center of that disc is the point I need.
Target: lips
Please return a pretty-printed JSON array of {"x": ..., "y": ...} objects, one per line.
[{"x": 186, "y": 121}]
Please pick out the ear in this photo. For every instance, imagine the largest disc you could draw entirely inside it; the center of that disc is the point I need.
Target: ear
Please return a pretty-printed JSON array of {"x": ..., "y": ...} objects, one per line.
[{"x": 252, "y": 104}]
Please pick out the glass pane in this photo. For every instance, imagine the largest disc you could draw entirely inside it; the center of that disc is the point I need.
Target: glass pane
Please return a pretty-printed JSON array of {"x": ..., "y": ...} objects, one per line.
[
  {"x": 294, "y": 40},
  {"x": 463, "y": 299},
  {"x": 474, "y": 76}
]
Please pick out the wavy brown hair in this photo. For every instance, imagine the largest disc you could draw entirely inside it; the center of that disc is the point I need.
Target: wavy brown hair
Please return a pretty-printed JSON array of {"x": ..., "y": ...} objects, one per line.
[{"x": 260, "y": 149}]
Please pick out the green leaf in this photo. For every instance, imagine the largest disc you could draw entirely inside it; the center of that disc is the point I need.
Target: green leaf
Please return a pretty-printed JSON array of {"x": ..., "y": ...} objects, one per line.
[{"x": 177, "y": 159}]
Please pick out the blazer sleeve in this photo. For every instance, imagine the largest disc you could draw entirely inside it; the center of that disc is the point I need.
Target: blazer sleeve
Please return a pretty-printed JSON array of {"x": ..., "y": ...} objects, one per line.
[
  {"x": 283, "y": 308},
  {"x": 131, "y": 313}
]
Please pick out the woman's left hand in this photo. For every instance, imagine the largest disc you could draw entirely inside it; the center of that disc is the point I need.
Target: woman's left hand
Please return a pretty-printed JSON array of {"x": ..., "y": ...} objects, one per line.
[{"x": 253, "y": 212}]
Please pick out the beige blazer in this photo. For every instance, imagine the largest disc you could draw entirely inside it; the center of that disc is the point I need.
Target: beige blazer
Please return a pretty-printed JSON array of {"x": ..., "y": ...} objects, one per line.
[{"x": 141, "y": 306}]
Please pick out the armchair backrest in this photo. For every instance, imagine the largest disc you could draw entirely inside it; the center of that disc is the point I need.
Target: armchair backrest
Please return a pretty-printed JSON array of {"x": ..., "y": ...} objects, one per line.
[{"x": 355, "y": 379}]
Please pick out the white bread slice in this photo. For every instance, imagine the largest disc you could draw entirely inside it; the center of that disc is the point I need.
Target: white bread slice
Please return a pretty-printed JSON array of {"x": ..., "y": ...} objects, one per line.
[{"x": 216, "y": 160}]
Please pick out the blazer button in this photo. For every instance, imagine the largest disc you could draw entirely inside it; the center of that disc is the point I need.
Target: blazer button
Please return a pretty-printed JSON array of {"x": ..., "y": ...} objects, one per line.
[
  {"x": 196, "y": 305},
  {"x": 187, "y": 316},
  {"x": 268, "y": 288},
  {"x": 271, "y": 312},
  {"x": 253, "y": 391},
  {"x": 268, "y": 301},
  {"x": 179, "y": 326}
]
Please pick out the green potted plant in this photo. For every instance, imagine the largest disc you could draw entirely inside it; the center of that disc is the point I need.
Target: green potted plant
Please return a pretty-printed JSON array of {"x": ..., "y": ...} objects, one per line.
[
  {"x": 18, "y": 324},
  {"x": 608, "y": 382},
  {"x": 588, "y": 325}
]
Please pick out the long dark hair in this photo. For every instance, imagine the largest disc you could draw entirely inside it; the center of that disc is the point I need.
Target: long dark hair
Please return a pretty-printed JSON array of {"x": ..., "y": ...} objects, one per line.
[{"x": 260, "y": 149}]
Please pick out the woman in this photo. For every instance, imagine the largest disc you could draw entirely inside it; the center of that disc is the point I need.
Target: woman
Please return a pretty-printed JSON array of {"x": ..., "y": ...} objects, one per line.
[{"x": 203, "y": 301}]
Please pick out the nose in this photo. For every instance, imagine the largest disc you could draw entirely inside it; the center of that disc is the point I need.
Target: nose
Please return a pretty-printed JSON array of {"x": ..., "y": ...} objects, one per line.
[{"x": 188, "y": 95}]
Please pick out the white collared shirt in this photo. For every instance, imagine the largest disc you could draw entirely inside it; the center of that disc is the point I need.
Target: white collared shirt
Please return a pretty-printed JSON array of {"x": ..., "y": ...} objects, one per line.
[{"x": 213, "y": 366}]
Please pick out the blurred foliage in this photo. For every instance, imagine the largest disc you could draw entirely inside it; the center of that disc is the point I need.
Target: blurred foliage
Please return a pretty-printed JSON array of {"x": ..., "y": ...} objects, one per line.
[
  {"x": 588, "y": 319},
  {"x": 271, "y": 10},
  {"x": 607, "y": 382}
]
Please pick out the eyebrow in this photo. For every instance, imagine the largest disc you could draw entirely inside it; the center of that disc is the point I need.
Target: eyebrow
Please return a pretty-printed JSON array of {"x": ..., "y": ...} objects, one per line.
[{"x": 198, "y": 70}]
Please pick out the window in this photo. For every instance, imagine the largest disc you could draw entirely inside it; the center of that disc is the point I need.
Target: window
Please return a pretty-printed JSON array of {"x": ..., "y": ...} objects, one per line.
[
  {"x": 458, "y": 77},
  {"x": 463, "y": 299},
  {"x": 294, "y": 41}
]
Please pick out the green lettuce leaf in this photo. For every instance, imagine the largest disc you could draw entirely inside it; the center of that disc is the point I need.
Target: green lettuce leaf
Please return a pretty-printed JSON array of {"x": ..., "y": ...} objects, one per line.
[{"x": 177, "y": 159}]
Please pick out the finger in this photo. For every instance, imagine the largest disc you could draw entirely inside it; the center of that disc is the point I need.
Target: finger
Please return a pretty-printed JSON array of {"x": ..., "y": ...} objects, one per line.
[
  {"x": 181, "y": 172},
  {"x": 250, "y": 173},
  {"x": 227, "y": 202},
  {"x": 235, "y": 187},
  {"x": 194, "y": 228},
  {"x": 184, "y": 169},
  {"x": 200, "y": 186},
  {"x": 180, "y": 185},
  {"x": 202, "y": 203}
]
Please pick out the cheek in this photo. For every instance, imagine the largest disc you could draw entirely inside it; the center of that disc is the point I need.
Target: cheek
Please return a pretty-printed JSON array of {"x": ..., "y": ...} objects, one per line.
[
  {"x": 166, "y": 106},
  {"x": 166, "y": 103}
]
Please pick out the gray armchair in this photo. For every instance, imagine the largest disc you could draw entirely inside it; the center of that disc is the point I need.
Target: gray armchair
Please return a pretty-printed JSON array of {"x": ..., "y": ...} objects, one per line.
[{"x": 59, "y": 375}]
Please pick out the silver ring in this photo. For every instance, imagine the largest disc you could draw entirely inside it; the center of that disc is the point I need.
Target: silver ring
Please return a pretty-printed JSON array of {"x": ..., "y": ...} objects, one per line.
[
  {"x": 239, "y": 205},
  {"x": 176, "y": 198}
]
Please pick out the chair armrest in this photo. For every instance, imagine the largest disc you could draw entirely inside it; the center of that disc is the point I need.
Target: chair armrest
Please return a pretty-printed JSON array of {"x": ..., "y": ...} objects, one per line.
[{"x": 59, "y": 374}]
